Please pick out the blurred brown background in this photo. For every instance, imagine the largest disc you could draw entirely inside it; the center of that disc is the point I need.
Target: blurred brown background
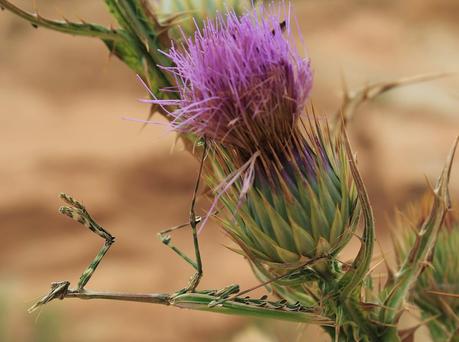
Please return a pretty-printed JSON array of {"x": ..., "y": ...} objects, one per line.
[{"x": 61, "y": 104}]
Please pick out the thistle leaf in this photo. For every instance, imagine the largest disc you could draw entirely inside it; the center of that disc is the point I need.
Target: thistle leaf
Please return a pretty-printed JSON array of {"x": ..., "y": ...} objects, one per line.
[
  {"x": 65, "y": 26},
  {"x": 354, "y": 277}
]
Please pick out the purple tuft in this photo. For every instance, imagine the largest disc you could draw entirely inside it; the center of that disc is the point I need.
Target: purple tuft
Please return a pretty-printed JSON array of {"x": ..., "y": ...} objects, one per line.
[{"x": 240, "y": 81}]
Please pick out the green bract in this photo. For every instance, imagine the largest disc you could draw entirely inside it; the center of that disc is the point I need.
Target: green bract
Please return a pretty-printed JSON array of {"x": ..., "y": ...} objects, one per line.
[{"x": 300, "y": 208}]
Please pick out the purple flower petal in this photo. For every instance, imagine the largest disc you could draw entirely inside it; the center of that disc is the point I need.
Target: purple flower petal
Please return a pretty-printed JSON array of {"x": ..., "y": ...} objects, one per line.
[{"x": 240, "y": 81}]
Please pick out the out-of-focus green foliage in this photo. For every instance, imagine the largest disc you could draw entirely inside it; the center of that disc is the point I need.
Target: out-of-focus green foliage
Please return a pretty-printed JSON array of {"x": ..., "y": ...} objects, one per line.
[
  {"x": 187, "y": 10},
  {"x": 436, "y": 291}
]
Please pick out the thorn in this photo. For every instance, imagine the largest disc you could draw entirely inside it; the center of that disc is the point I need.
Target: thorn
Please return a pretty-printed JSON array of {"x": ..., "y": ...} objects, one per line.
[
  {"x": 35, "y": 26},
  {"x": 427, "y": 264},
  {"x": 444, "y": 294},
  {"x": 358, "y": 237},
  {"x": 390, "y": 271},
  {"x": 429, "y": 185}
]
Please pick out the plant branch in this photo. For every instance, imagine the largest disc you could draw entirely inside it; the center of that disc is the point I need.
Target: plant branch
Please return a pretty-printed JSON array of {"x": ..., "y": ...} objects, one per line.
[
  {"x": 65, "y": 26},
  {"x": 353, "y": 99}
]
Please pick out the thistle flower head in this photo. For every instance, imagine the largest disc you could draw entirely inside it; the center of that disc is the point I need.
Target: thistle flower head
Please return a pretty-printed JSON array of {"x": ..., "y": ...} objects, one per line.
[
  {"x": 287, "y": 187},
  {"x": 436, "y": 291},
  {"x": 240, "y": 81}
]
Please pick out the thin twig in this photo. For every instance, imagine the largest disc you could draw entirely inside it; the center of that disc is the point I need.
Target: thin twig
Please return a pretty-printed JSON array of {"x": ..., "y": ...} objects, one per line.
[
  {"x": 61, "y": 290},
  {"x": 353, "y": 99}
]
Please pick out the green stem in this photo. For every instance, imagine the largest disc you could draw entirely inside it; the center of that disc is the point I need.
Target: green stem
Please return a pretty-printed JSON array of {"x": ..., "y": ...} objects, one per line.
[{"x": 131, "y": 17}]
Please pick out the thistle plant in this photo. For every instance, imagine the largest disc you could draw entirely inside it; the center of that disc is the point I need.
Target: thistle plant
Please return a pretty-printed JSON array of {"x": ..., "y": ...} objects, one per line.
[
  {"x": 284, "y": 183},
  {"x": 436, "y": 291}
]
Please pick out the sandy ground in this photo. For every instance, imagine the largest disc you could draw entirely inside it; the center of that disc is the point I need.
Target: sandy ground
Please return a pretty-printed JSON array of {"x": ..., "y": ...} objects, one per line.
[{"x": 61, "y": 104}]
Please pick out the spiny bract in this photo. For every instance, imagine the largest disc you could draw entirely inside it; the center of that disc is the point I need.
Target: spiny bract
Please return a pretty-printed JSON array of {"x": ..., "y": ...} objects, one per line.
[{"x": 436, "y": 290}]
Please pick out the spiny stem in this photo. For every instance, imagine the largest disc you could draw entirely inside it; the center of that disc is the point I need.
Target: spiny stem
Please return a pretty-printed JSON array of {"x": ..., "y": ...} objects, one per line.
[{"x": 65, "y": 26}]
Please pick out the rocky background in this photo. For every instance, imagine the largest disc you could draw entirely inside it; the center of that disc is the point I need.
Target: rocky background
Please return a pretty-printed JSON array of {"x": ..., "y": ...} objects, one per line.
[{"x": 62, "y": 100}]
